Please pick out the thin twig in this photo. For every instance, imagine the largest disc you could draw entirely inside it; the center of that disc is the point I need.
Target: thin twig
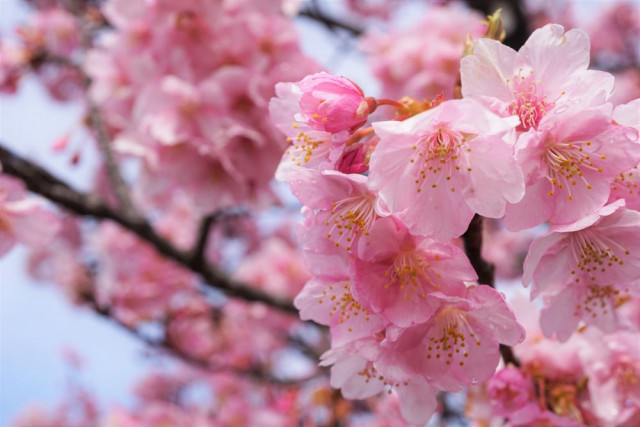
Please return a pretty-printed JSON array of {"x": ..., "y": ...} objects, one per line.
[
  {"x": 40, "y": 181},
  {"x": 199, "y": 249},
  {"x": 120, "y": 187}
]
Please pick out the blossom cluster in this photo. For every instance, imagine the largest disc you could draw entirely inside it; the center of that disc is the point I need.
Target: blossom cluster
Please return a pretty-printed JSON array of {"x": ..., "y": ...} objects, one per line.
[
  {"x": 533, "y": 140},
  {"x": 196, "y": 114}
]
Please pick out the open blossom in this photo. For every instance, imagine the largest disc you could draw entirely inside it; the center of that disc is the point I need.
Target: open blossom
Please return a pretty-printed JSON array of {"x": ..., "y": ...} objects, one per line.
[
  {"x": 333, "y": 103},
  {"x": 438, "y": 168},
  {"x": 343, "y": 204},
  {"x": 585, "y": 269},
  {"x": 331, "y": 302},
  {"x": 23, "y": 219},
  {"x": 399, "y": 272},
  {"x": 627, "y": 184},
  {"x": 548, "y": 73},
  {"x": 459, "y": 344},
  {"x": 569, "y": 166},
  {"x": 357, "y": 373}
]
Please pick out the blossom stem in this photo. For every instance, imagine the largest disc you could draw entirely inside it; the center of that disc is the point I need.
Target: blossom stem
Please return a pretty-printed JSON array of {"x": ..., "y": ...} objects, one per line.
[{"x": 390, "y": 102}]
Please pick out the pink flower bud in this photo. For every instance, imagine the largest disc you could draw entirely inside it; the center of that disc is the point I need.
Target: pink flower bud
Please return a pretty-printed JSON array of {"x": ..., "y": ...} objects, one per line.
[
  {"x": 333, "y": 103},
  {"x": 353, "y": 160}
]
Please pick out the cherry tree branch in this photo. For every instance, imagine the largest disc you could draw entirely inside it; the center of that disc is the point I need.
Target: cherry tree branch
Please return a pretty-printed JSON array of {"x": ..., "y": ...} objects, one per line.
[
  {"x": 472, "y": 239},
  {"x": 315, "y": 14},
  {"x": 41, "y": 182}
]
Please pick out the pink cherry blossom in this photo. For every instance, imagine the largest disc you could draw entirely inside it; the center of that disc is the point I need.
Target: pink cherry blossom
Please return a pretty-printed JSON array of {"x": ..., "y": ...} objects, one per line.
[
  {"x": 136, "y": 282},
  {"x": 357, "y": 377},
  {"x": 275, "y": 267},
  {"x": 191, "y": 329},
  {"x": 23, "y": 219},
  {"x": 399, "y": 272},
  {"x": 626, "y": 184},
  {"x": 569, "y": 164},
  {"x": 438, "y": 168},
  {"x": 585, "y": 268},
  {"x": 332, "y": 302},
  {"x": 333, "y": 103},
  {"x": 458, "y": 345},
  {"x": 342, "y": 202},
  {"x": 548, "y": 72},
  {"x": 613, "y": 367}
]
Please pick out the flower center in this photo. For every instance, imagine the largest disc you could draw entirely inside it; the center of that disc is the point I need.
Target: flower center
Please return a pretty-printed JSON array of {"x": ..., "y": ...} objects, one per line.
[
  {"x": 349, "y": 219},
  {"x": 304, "y": 148},
  {"x": 411, "y": 274},
  {"x": 437, "y": 154},
  {"x": 529, "y": 102},
  {"x": 566, "y": 164},
  {"x": 595, "y": 253},
  {"x": 598, "y": 299},
  {"x": 453, "y": 336},
  {"x": 343, "y": 305}
]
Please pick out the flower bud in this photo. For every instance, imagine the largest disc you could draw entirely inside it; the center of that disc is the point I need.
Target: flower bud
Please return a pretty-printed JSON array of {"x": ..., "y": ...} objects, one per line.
[{"x": 333, "y": 103}]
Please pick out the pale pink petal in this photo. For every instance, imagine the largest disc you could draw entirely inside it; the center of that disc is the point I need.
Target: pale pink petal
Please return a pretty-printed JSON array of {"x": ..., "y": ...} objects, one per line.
[{"x": 485, "y": 73}]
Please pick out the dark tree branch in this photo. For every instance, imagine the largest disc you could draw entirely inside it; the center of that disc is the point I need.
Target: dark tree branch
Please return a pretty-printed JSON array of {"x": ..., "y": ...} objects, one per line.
[
  {"x": 198, "y": 251},
  {"x": 331, "y": 23},
  {"x": 39, "y": 181},
  {"x": 472, "y": 239}
]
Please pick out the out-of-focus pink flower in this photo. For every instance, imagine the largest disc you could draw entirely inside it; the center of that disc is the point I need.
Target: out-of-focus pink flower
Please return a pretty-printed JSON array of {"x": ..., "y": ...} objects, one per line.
[
  {"x": 23, "y": 219},
  {"x": 438, "y": 168},
  {"x": 53, "y": 30},
  {"x": 13, "y": 60},
  {"x": 275, "y": 267},
  {"x": 506, "y": 250},
  {"x": 509, "y": 390},
  {"x": 191, "y": 329},
  {"x": 626, "y": 87},
  {"x": 135, "y": 281},
  {"x": 423, "y": 60},
  {"x": 613, "y": 366}
]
